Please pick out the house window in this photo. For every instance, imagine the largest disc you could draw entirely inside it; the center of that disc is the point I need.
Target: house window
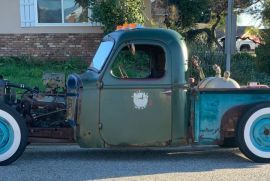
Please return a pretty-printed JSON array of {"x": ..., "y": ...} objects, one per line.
[
  {"x": 54, "y": 13},
  {"x": 61, "y": 11},
  {"x": 49, "y": 11}
]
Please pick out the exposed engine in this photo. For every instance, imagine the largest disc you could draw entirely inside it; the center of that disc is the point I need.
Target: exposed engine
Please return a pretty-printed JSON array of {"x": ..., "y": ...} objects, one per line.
[{"x": 44, "y": 112}]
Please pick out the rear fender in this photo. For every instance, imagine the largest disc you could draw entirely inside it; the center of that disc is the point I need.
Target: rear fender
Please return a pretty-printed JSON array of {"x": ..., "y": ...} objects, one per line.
[{"x": 230, "y": 120}]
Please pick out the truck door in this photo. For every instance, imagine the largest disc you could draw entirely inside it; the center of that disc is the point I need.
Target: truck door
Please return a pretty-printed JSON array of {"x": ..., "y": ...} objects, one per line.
[{"x": 135, "y": 101}]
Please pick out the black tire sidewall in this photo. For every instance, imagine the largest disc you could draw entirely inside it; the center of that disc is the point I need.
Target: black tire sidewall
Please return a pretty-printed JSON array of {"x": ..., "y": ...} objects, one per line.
[
  {"x": 240, "y": 134},
  {"x": 24, "y": 134}
]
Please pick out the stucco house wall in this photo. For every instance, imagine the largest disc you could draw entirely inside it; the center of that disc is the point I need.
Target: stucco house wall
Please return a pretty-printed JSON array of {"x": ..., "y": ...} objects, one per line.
[
  {"x": 24, "y": 36},
  {"x": 51, "y": 42}
]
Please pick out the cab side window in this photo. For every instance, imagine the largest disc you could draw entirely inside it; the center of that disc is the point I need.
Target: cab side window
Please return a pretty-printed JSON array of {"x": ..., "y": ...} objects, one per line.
[{"x": 139, "y": 62}]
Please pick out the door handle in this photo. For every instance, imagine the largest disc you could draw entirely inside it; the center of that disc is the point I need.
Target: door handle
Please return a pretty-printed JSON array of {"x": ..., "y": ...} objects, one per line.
[{"x": 167, "y": 92}]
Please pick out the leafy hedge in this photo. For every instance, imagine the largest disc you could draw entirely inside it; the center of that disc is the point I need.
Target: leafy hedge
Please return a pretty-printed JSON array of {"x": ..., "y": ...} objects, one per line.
[
  {"x": 263, "y": 52},
  {"x": 244, "y": 67},
  {"x": 116, "y": 12}
]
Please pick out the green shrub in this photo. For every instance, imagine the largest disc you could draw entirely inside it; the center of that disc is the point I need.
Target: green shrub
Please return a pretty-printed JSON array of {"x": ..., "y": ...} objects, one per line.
[
  {"x": 263, "y": 53},
  {"x": 243, "y": 65},
  {"x": 244, "y": 69},
  {"x": 116, "y": 12}
]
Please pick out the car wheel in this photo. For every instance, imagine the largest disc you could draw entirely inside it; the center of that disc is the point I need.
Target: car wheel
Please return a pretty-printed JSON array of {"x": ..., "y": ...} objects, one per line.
[
  {"x": 13, "y": 135},
  {"x": 253, "y": 134}
]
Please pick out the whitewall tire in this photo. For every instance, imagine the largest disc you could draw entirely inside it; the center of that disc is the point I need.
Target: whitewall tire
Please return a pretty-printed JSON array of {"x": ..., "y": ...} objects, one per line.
[
  {"x": 13, "y": 135},
  {"x": 253, "y": 133}
]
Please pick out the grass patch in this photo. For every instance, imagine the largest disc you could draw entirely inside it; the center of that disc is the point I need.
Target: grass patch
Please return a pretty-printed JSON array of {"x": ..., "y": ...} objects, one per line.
[{"x": 29, "y": 71}]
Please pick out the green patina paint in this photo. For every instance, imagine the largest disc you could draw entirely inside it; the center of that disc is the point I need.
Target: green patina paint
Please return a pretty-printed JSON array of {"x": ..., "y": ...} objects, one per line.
[{"x": 110, "y": 116}]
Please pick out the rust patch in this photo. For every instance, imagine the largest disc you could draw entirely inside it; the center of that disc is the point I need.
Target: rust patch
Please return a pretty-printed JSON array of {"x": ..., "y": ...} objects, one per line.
[
  {"x": 230, "y": 119},
  {"x": 52, "y": 134}
]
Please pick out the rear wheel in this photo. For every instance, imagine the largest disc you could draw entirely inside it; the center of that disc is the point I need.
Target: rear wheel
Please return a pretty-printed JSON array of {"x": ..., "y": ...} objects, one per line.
[
  {"x": 253, "y": 134},
  {"x": 13, "y": 135}
]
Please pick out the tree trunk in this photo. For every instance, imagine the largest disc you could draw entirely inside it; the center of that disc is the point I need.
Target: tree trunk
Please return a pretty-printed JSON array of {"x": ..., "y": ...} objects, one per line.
[{"x": 213, "y": 31}]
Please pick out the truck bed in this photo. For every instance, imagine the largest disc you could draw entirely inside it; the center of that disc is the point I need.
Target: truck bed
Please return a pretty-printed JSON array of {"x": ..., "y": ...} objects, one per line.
[{"x": 216, "y": 111}]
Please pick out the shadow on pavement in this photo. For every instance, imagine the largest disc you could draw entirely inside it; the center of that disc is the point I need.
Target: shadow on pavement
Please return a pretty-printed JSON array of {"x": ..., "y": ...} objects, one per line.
[{"x": 73, "y": 163}]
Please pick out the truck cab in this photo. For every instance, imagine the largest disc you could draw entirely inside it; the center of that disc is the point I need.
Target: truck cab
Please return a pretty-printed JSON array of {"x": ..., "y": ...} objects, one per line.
[{"x": 134, "y": 92}]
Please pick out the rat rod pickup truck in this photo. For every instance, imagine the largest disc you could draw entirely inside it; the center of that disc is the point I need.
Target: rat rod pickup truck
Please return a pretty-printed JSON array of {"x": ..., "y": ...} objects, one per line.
[{"x": 136, "y": 94}]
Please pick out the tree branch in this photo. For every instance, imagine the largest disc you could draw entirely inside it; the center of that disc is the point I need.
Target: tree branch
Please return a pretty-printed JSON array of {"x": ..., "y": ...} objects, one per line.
[{"x": 213, "y": 29}]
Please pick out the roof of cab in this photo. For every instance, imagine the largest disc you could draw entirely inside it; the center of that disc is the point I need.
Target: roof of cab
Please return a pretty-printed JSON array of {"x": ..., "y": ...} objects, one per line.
[{"x": 164, "y": 35}]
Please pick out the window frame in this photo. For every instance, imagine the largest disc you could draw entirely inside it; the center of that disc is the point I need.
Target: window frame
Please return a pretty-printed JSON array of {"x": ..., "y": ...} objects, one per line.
[
  {"x": 138, "y": 79},
  {"x": 63, "y": 24}
]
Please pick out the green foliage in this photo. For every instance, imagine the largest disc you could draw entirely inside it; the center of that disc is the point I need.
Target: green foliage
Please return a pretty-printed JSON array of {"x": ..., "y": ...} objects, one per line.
[
  {"x": 134, "y": 66},
  {"x": 29, "y": 71},
  {"x": 243, "y": 65},
  {"x": 244, "y": 70},
  {"x": 116, "y": 12},
  {"x": 266, "y": 12},
  {"x": 263, "y": 53},
  {"x": 187, "y": 13},
  {"x": 208, "y": 57}
]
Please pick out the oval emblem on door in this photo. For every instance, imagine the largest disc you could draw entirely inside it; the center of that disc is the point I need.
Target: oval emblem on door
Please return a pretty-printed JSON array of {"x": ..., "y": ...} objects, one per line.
[{"x": 140, "y": 99}]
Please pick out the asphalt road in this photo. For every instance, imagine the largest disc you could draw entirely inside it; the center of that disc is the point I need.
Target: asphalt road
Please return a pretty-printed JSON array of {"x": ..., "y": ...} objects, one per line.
[{"x": 69, "y": 162}]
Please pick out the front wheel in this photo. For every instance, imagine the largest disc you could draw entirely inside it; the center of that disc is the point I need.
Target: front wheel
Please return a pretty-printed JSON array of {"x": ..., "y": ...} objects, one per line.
[
  {"x": 253, "y": 134},
  {"x": 13, "y": 135}
]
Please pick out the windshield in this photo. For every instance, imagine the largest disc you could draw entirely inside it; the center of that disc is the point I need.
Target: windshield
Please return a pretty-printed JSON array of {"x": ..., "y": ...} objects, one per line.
[{"x": 102, "y": 54}]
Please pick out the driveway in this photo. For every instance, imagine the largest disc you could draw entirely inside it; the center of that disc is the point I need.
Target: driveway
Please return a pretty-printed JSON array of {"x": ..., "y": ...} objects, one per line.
[{"x": 69, "y": 162}]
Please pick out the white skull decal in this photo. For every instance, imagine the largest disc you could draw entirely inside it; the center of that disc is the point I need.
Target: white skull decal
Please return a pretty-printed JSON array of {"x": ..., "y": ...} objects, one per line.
[{"x": 140, "y": 100}]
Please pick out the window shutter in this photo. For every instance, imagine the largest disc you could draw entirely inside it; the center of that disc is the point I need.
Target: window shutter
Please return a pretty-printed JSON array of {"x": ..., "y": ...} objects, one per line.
[{"x": 27, "y": 9}]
